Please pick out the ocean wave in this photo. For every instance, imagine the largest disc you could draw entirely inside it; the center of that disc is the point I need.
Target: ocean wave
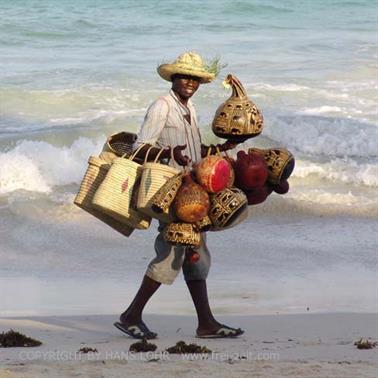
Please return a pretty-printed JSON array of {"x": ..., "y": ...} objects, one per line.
[
  {"x": 347, "y": 171},
  {"x": 278, "y": 87},
  {"x": 39, "y": 166},
  {"x": 325, "y": 109},
  {"x": 323, "y": 197},
  {"x": 244, "y": 8},
  {"x": 327, "y": 136},
  {"x": 20, "y": 172},
  {"x": 45, "y": 108}
]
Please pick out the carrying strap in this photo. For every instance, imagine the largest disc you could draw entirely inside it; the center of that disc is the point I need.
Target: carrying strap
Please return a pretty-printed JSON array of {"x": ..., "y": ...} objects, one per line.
[
  {"x": 133, "y": 156},
  {"x": 218, "y": 151},
  {"x": 158, "y": 155}
]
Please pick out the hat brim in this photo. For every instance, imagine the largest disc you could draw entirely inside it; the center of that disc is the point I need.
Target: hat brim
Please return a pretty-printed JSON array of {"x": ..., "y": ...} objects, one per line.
[{"x": 167, "y": 70}]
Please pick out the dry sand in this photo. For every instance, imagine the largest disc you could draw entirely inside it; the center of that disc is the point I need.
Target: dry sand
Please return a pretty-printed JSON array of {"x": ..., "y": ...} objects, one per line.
[{"x": 305, "y": 345}]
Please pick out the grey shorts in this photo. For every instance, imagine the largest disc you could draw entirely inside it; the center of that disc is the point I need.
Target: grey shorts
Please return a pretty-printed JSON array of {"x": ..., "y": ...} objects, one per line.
[{"x": 170, "y": 259}]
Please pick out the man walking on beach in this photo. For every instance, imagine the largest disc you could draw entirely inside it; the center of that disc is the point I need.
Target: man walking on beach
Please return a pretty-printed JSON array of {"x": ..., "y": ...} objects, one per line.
[{"x": 171, "y": 124}]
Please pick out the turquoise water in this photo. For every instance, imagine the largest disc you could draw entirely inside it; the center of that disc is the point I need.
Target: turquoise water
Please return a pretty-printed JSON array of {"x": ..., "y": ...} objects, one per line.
[
  {"x": 73, "y": 72},
  {"x": 86, "y": 69}
]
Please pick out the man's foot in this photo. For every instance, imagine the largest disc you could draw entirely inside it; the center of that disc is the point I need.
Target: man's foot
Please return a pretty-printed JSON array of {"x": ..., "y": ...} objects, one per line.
[
  {"x": 220, "y": 331},
  {"x": 134, "y": 327},
  {"x": 137, "y": 331}
]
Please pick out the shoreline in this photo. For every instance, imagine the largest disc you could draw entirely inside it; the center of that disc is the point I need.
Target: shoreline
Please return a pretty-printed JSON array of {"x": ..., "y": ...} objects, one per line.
[
  {"x": 281, "y": 264},
  {"x": 307, "y": 345}
]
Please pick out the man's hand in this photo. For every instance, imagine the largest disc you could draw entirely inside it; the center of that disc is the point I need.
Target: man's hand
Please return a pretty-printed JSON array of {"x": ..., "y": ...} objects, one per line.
[
  {"x": 229, "y": 144},
  {"x": 180, "y": 159}
]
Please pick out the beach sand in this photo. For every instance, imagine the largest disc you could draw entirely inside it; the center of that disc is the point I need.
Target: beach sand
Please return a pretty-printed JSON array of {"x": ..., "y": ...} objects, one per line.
[
  {"x": 301, "y": 314},
  {"x": 305, "y": 345}
]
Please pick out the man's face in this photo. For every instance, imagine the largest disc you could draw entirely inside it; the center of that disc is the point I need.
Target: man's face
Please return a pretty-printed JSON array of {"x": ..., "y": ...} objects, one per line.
[{"x": 185, "y": 85}]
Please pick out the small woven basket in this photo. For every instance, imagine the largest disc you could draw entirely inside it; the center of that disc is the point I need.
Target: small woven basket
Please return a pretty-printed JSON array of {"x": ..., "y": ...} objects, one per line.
[
  {"x": 121, "y": 143},
  {"x": 117, "y": 194},
  {"x": 154, "y": 177},
  {"x": 95, "y": 174}
]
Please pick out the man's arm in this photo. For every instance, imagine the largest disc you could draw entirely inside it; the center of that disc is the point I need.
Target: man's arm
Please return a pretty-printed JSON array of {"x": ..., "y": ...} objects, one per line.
[
  {"x": 227, "y": 145},
  {"x": 153, "y": 124},
  {"x": 167, "y": 153}
]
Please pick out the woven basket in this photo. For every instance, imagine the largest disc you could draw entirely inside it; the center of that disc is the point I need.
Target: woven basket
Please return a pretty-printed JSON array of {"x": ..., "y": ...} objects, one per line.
[
  {"x": 117, "y": 194},
  {"x": 154, "y": 176},
  {"x": 95, "y": 174},
  {"x": 121, "y": 143}
]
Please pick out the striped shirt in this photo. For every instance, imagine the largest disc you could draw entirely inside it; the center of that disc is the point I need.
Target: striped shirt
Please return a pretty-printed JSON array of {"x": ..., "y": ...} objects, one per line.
[{"x": 165, "y": 125}]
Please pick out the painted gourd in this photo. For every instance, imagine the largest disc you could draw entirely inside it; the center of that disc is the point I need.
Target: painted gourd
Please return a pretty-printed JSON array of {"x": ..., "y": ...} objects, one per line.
[
  {"x": 213, "y": 173},
  {"x": 231, "y": 180},
  {"x": 258, "y": 195},
  {"x": 251, "y": 171},
  {"x": 192, "y": 202}
]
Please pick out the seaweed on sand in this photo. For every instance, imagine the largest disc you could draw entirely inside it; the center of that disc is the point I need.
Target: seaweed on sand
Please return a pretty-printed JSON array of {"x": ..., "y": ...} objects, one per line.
[
  {"x": 87, "y": 350},
  {"x": 181, "y": 347},
  {"x": 365, "y": 344},
  {"x": 12, "y": 339},
  {"x": 142, "y": 346}
]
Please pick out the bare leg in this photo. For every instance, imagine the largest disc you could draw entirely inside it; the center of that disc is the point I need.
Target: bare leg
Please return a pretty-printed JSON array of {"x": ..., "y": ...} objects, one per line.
[
  {"x": 133, "y": 314},
  {"x": 206, "y": 321}
]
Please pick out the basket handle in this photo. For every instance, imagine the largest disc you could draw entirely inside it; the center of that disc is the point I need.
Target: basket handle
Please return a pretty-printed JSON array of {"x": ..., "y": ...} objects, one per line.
[
  {"x": 218, "y": 151},
  {"x": 132, "y": 157},
  {"x": 158, "y": 155},
  {"x": 208, "y": 151},
  {"x": 147, "y": 153}
]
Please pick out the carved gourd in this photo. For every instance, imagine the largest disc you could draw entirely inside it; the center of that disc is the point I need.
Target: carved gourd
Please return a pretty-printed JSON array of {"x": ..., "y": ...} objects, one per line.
[
  {"x": 182, "y": 234},
  {"x": 280, "y": 163},
  {"x": 227, "y": 208},
  {"x": 192, "y": 201},
  {"x": 238, "y": 116}
]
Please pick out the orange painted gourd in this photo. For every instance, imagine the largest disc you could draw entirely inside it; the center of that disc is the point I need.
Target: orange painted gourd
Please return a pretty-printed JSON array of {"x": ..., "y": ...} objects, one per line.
[
  {"x": 213, "y": 173},
  {"x": 192, "y": 201}
]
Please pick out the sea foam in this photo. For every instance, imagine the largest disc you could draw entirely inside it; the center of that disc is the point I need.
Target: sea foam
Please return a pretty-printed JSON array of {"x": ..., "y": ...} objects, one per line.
[
  {"x": 39, "y": 166},
  {"x": 345, "y": 170},
  {"x": 317, "y": 135}
]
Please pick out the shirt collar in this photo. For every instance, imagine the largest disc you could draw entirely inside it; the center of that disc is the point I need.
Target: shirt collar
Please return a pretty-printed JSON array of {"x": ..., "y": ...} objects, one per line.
[{"x": 189, "y": 106}]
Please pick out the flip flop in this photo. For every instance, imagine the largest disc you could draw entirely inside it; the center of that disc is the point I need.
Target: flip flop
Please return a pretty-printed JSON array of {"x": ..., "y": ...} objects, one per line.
[
  {"x": 223, "y": 332},
  {"x": 137, "y": 331}
]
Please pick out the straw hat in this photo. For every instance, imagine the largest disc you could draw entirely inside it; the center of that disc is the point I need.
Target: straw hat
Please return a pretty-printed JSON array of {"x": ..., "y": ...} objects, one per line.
[{"x": 188, "y": 63}]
